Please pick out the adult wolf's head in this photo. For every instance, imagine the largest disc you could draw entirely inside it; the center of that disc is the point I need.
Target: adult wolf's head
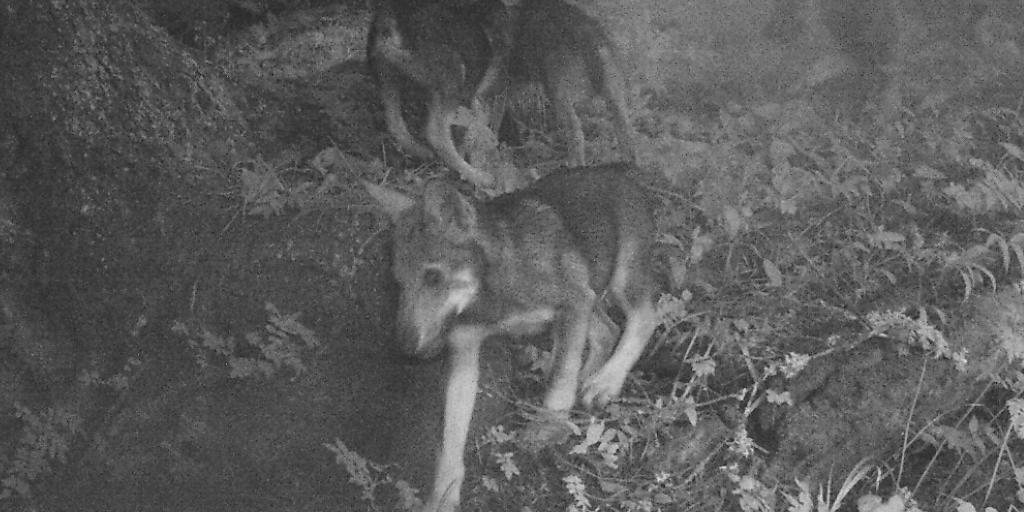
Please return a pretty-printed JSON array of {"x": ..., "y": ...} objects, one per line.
[{"x": 435, "y": 260}]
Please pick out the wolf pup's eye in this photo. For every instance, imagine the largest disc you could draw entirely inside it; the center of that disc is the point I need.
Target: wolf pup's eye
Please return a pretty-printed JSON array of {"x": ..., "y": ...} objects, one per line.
[{"x": 433, "y": 277}]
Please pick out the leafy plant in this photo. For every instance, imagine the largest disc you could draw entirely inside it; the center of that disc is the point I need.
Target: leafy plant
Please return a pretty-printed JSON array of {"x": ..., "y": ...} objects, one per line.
[
  {"x": 259, "y": 355},
  {"x": 263, "y": 192},
  {"x": 916, "y": 332},
  {"x": 370, "y": 476},
  {"x": 824, "y": 501},
  {"x": 578, "y": 491},
  {"x": 45, "y": 440}
]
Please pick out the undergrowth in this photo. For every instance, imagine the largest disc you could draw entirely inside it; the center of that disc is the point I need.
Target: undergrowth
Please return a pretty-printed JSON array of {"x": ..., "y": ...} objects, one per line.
[
  {"x": 46, "y": 437},
  {"x": 284, "y": 346},
  {"x": 48, "y": 433},
  {"x": 807, "y": 226},
  {"x": 780, "y": 223}
]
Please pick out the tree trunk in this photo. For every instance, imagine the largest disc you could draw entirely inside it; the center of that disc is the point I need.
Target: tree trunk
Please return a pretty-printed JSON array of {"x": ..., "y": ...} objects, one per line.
[
  {"x": 113, "y": 227},
  {"x": 102, "y": 119},
  {"x": 99, "y": 118}
]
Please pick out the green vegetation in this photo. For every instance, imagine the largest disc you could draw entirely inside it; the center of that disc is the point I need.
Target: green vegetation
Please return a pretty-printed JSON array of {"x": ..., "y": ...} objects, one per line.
[{"x": 284, "y": 346}]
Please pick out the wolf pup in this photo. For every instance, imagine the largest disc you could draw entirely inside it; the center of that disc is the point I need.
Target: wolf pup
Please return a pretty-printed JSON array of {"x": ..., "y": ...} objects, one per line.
[
  {"x": 545, "y": 256},
  {"x": 454, "y": 54},
  {"x": 572, "y": 56}
]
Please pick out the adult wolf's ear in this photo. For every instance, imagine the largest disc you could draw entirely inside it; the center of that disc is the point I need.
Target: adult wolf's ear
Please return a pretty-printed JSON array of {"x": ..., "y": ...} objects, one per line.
[
  {"x": 453, "y": 212},
  {"x": 393, "y": 202}
]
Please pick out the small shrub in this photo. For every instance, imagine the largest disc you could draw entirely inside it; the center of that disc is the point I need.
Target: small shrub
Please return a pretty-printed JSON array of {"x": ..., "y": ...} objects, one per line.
[
  {"x": 46, "y": 437},
  {"x": 370, "y": 476},
  {"x": 259, "y": 355}
]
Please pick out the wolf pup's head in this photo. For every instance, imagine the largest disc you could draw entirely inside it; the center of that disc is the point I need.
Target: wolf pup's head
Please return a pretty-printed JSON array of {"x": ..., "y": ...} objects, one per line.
[{"x": 435, "y": 261}]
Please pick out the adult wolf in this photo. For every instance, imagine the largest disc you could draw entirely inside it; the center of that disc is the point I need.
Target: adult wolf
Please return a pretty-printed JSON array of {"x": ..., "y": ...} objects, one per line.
[
  {"x": 544, "y": 256},
  {"x": 573, "y": 57},
  {"x": 448, "y": 51},
  {"x": 467, "y": 54}
]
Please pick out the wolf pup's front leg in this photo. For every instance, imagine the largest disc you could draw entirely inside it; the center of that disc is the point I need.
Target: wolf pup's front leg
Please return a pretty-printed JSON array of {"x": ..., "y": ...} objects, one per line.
[{"x": 460, "y": 395}]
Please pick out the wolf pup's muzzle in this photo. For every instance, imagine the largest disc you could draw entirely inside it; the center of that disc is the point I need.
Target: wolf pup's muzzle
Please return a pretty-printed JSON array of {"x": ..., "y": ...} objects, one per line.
[
  {"x": 409, "y": 345},
  {"x": 427, "y": 310},
  {"x": 421, "y": 338}
]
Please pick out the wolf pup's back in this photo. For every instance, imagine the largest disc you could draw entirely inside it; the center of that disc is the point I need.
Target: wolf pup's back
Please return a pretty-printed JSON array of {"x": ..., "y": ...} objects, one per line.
[{"x": 603, "y": 209}]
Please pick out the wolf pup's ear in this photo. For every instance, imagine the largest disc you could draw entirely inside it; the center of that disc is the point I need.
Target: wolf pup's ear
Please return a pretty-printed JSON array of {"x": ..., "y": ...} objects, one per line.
[
  {"x": 453, "y": 212},
  {"x": 393, "y": 202}
]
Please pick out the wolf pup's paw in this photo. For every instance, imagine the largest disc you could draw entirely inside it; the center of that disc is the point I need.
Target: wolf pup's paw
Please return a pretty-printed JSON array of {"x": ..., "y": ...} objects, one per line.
[
  {"x": 602, "y": 387},
  {"x": 449, "y": 502}
]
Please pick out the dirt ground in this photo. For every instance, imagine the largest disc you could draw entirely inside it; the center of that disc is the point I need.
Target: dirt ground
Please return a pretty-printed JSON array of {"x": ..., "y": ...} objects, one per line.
[{"x": 182, "y": 440}]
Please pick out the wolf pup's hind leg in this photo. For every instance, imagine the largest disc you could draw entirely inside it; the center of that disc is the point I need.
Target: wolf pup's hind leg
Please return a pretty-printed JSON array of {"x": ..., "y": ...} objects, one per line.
[
  {"x": 606, "y": 384},
  {"x": 613, "y": 88},
  {"x": 633, "y": 290},
  {"x": 601, "y": 339},
  {"x": 569, "y": 344}
]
